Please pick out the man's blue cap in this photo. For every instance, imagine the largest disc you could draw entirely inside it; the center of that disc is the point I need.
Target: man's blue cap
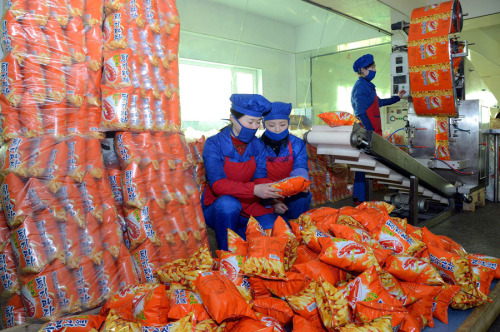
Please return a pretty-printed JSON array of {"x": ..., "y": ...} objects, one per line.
[
  {"x": 279, "y": 111},
  {"x": 250, "y": 104},
  {"x": 362, "y": 62}
]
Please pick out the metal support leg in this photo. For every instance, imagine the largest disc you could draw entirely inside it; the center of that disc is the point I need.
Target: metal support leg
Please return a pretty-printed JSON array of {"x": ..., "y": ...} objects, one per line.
[
  {"x": 495, "y": 162},
  {"x": 413, "y": 216},
  {"x": 368, "y": 189}
]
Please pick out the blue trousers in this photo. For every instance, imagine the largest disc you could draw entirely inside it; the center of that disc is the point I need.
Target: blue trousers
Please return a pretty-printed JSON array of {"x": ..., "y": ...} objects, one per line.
[
  {"x": 359, "y": 186},
  {"x": 225, "y": 213},
  {"x": 297, "y": 204}
]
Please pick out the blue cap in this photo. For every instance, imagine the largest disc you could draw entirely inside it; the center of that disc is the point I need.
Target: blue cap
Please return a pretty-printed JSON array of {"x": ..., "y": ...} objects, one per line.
[
  {"x": 362, "y": 62},
  {"x": 253, "y": 105},
  {"x": 279, "y": 111}
]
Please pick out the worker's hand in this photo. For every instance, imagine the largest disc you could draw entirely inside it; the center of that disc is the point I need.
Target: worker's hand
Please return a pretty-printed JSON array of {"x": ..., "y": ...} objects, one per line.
[
  {"x": 401, "y": 93},
  {"x": 280, "y": 208},
  {"x": 266, "y": 190}
]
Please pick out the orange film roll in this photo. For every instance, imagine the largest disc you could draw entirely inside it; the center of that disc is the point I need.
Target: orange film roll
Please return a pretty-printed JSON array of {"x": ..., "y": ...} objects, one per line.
[{"x": 431, "y": 77}]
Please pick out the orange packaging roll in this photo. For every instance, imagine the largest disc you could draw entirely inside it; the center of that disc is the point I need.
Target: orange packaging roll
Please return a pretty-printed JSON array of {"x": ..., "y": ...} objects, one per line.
[
  {"x": 94, "y": 159},
  {"x": 54, "y": 118},
  {"x": 430, "y": 26},
  {"x": 56, "y": 170},
  {"x": 70, "y": 234},
  {"x": 146, "y": 261},
  {"x": 14, "y": 200},
  {"x": 428, "y": 51},
  {"x": 435, "y": 9},
  {"x": 94, "y": 13},
  {"x": 115, "y": 31},
  {"x": 132, "y": 181},
  {"x": 126, "y": 268},
  {"x": 14, "y": 37},
  {"x": 76, "y": 7},
  {"x": 15, "y": 156},
  {"x": 29, "y": 114},
  {"x": 90, "y": 197},
  {"x": 115, "y": 108},
  {"x": 431, "y": 77},
  {"x": 76, "y": 80},
  {"x": 76, "y": 158},
  {"x": 86, "y": 284},
  {"x": 56, "y": 38},
  {"x": 8, "y": 276},
  {"x": 65, "y": 288},
  {"x": 126, "y": 145},
  {"x": 76, "y": 39},
  {"x": 39, "y": 297},
  {"x": 9, "y": 122},
  {"x": 55, "y": 80},
  {"x": 40, "y": 10},
  {"x": 12, "y": 312},
  {"x": 37, "y": 43},
  {"x": 59, "y": 11},
  {"x": 28, "y": 249},
  {"x": 93, "y": 37},
  {"x": 117, "y": 69},
  {"x": 12, "y": 81},
  {"x": 34, "y": 80},
  {"x": 441, "y": 128}
]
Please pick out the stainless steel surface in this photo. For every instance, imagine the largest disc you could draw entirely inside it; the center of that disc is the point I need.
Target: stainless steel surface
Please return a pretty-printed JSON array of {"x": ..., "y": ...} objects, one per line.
[
  {"x": 394, "y": 158},
  {"x": 432, "y": 163},
  {"x": 463, "y": 146}
]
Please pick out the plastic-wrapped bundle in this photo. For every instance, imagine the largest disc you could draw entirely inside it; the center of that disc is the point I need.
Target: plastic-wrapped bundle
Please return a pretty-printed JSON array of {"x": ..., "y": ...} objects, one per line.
[{"x": 12, "y": 312}]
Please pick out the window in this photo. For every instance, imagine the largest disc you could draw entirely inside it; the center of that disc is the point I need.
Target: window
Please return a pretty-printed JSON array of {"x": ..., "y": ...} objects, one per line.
[{"x": 205, "y": 88}]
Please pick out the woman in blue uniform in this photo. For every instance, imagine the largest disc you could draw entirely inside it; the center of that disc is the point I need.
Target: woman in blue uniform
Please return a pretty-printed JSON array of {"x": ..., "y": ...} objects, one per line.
[
  {"x": 366, "y": 105},
  {"x": 235, "y": 167},
  {"x": 286, "y": 156}
]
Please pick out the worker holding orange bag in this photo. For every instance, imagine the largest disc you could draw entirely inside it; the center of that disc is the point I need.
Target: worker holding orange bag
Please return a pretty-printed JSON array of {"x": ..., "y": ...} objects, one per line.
[
  {"x": 286, "y": 156},
  {"x": 235, "y": 166}
]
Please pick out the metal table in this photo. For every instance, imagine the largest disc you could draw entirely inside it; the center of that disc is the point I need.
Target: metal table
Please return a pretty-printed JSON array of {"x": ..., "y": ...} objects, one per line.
[{"x": 494, "y": 133}]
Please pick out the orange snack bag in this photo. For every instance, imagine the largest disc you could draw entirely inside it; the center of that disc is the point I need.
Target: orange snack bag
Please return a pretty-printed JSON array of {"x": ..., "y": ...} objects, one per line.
[
  {"x": 392, "y": 285},
  {"x": 452, "y": 246},
  {"x": 453, "y": 269},
  {"x": 334, "y": 119},
  {"x": 76, "y": 39},
  {"x": 381, "y": 324},
  {"x": 367, "y": 311},
  {"x": 258, "y": 288},
  {"x": 40, "y": 10},
  {"x": 77, "y": 79},
  {"x": 236, "y": 244},
  {"x": 304, "y": 304},
  {"x": 317, "y": 270},
  {"x": 468, "y": 297},
  {"x": 14, "y": 37},
  {"x": 349, "y": 255},
  {"x": 482, "y": 274},
  {"x": 14, "y": 200},
  {"x": 10, "y": 126},
  {"x": 34, "y": 80},
  {"x": 390, "y": 236},
  {"x": 442, "y": 301},
  {"x": 115, "y": 183},
  {"x": 265, "y": 257},
  {"x": 275, "y": 308},
  {"x": 227, "y": 302},
  {"x": 115, "y": 108},
  {"x": 93, "y": 157},
  {"x": 343, "y": 219},
  {"x": 126, "y": 269},
  {"x": 76, "y": 158},
  {"x": 29, "y": 114},
  {"x": 381, "y": 205},
  {"x": 146, "y": 261},
  {"x": 442, "y": 150},
  {"x": 12, "y": 312},
  {"x": 90, "y": 197},
  {"x": 151, "y": 308},
  {"x": 80, "y": 323},
  {"x": 9, "y": 284},
  {"x": 281, "y": 229},
  {"x": 314, "y": 238},
  {"x": 87, "y": 283},
  {"x": 115, "y": 31},
  {"x": 126, "y": 145},
  {"x": 15, "y": 157},
  {"x": 254, "y": 229},
  {"x": 117, "y": 69},
  {"x": 39, "y": 299},
  {"x": 40, "y": 198},
  {"x": 230, "y": 266},
  {"x": 412, "y": 269},
  {"x": 93, "y": 37},
  {"x": 56, "y": 39},
  {"x": 354, "y": 234},
  {"x": 132, "y": 183},
  {"x": 183, "y": 301},
  {"x": 370, "y": 218},
  {"x": 66, "y": 292},
  {"x": 11, "y": 80},
  {"x": 76, "y": 7},
  {"x": 69, "y": 193},
  {"x": 140, "y": 226},
  {"x": 292, "y": 185},
  {"x": 304, "y": 254},
  {"x": 332, "y": 305},
  {"x": 59, "y": 11},
  {"x": 37, "y": 43},
  {"x": 296, "y": 228},
  {"x": 295, "y": 283},
  {"x": 367, "y": 287},
  {"x": 49, "y": 234},
  {"x": 56, "y": 81},
  {"x": 489, "y": 262},
  {"x": 441, "y": 128},
  {"x": 301, "y": 324}
]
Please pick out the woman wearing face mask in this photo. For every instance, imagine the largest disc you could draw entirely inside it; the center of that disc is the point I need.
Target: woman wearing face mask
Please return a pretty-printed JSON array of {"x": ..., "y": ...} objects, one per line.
[
  {"x": 366, "y": 105},
  {"x": 235, "y": 167},
  {"x": 286, "y": 156}
]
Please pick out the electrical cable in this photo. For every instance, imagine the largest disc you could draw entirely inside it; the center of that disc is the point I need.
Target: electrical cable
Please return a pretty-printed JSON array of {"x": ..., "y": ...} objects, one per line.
[
  {"x": 395, "y": 132},
  {"x": 454, "y": 169}
]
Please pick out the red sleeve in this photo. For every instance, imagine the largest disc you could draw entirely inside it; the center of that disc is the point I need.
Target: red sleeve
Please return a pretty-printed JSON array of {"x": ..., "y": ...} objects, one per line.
[
  {"x": 233, "y": 188},
  {"x": 262, "y": 180}
]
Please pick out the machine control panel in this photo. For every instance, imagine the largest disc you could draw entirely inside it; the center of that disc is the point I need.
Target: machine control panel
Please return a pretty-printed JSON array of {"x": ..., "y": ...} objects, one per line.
[{"x": 400, "y": 78}]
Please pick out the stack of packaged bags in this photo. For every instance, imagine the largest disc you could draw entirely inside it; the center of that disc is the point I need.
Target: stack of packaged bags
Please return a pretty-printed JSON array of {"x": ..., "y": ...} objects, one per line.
[
  {"x": 317, "y": 174},
  {"x": 350, "y": 269},
  {"x": 196, "y": 149}
]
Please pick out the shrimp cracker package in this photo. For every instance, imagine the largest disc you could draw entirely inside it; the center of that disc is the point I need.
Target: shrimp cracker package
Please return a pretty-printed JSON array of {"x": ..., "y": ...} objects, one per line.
[{"x": 266, "y": 257}]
